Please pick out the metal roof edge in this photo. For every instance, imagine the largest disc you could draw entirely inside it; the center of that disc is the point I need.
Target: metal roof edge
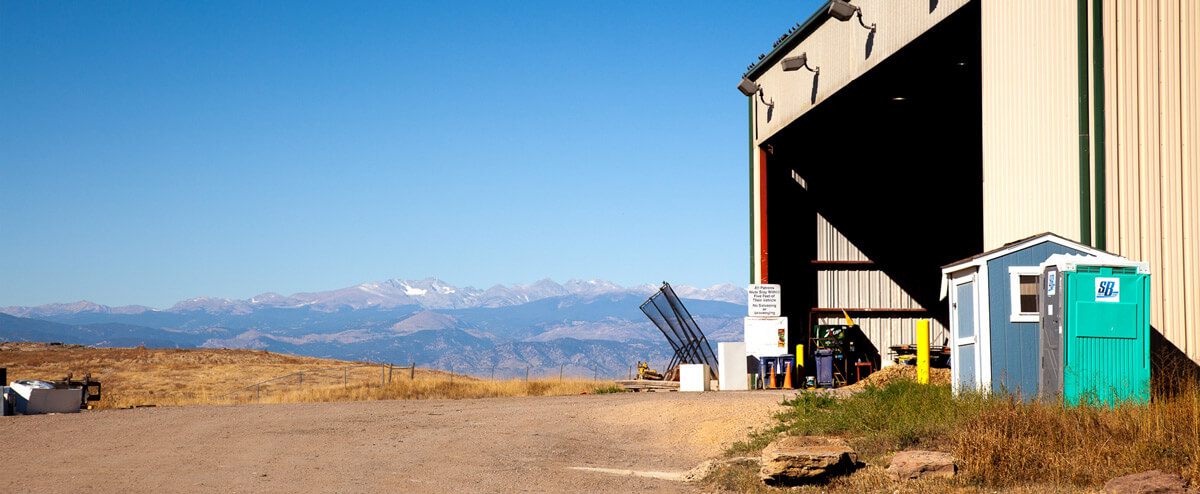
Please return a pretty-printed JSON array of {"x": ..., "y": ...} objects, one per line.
[
  {"x": 806, "y": 27},
  {"x": 1020, "y": 244}
]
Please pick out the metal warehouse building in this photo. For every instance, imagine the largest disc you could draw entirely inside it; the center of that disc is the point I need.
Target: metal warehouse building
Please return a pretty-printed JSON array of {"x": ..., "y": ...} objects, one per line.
[{"x": 891, "y": 137}]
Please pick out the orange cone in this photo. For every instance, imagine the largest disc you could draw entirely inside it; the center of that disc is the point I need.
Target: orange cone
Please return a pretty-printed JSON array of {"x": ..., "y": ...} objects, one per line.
[
  {"x": 787, "y": 378},
  {"x": 770, "y": 377}
]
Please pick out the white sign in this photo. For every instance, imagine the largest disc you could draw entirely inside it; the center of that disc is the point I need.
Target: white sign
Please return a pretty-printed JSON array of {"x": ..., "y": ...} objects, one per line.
[
  {"x": 764, "y": 300},
  {"x": 1108, "y": 289},
  {"x": 766, "y": 337},
  {"x": 1051, "y": 282}
]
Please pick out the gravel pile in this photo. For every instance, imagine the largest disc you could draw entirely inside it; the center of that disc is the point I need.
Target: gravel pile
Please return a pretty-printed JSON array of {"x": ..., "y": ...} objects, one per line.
[{"x": 900, "y": 373}]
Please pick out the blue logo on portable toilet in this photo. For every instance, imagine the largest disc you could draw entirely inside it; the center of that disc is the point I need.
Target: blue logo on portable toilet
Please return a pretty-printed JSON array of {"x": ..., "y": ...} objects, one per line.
[
  {"x": 1051, "y": 282},
  {"x": 1108, "y": 289}
]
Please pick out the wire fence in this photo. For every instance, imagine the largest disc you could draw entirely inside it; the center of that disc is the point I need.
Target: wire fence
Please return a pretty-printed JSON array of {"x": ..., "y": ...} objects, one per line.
[
  {"x": 386, "y": 372},
  {"x": 358, "y": 374}
]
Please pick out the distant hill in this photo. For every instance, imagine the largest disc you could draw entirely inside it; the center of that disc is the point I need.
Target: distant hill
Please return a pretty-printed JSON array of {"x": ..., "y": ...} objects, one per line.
[{"x": 583, "y": 327}]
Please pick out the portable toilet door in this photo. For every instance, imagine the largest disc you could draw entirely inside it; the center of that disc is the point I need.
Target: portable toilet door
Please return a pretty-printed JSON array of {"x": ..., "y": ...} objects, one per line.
[
  {"x": 1105, "y": 323},
  {"x": 1050, "y": 334}
]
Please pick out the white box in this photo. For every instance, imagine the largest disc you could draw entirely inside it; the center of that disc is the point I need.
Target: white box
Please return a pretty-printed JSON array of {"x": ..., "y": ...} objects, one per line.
[
  {"x": 766, "y": 336},
  {"x": 33, "y": 397},
  {"x": 731, "y": 366},
  {"x": 694, "y": 377}
]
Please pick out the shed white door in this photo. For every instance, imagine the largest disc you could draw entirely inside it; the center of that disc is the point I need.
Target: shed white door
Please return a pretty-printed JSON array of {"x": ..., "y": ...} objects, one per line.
[{"x": 964, "y": 356}]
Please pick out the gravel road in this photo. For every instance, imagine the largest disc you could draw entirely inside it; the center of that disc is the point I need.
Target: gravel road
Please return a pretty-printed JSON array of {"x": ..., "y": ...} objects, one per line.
[{"x": 535, "y": 444}]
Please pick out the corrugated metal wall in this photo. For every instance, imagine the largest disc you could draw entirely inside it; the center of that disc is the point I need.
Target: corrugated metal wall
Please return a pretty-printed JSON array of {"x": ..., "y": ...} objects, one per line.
[
  {"x": 1030, "y": 120},
  {"x": 843, "y": 51},
  {"x": 866, "y": 287},
  {"x": 1152, "y": 97}
]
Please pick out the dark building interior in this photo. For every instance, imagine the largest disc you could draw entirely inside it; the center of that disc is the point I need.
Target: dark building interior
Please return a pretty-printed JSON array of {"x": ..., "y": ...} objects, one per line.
[{"x": 893, "y": 161}]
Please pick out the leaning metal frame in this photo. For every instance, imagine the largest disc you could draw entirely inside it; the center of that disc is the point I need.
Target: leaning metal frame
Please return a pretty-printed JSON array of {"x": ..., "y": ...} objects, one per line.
[{"x": 667, "y": 312}]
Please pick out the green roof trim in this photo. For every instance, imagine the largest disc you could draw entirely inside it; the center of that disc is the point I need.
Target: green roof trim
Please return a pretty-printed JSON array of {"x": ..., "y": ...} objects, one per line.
[{"x": 788, "y": 42}]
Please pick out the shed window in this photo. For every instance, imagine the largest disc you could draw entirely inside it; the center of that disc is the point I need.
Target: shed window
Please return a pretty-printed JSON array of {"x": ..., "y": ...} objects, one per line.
[{"x": 1023, "y": 281}]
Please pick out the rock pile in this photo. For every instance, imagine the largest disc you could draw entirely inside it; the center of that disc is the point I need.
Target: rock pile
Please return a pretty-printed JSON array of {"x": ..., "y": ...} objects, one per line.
[
  {"x": 805, "y": 459},
  {"x": 1146, "y": 482},
  {"x": 917, "y": 464}
]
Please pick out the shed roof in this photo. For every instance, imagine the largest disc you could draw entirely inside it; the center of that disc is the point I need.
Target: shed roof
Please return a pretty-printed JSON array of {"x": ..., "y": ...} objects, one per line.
[
  {"x": 981, "y": 259},
  {"x": 1016, "y": 245}
]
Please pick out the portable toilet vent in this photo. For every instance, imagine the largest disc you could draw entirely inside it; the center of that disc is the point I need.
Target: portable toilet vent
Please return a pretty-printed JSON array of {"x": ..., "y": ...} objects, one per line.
[{"x": 1094, "y": 325}]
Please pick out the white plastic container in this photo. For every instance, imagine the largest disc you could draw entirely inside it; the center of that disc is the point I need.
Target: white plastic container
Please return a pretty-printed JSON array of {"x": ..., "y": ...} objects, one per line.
[
  {"x": 33, "y": 397},
  {"x": 731, "y": 365},
  {"x": 694, "y": 377}
]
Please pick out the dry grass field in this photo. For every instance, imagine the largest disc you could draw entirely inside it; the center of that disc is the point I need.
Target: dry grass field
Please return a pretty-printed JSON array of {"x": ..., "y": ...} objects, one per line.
[{"x": 167, "y": 377}]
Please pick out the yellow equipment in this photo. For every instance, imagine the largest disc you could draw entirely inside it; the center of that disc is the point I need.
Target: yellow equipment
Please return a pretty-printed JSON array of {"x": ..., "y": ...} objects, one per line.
[{"x": 645, "y": 372}]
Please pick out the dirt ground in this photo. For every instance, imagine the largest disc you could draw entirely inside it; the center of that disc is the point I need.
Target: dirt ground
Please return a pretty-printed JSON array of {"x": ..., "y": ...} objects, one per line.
[{"x": 529, "y": 444}]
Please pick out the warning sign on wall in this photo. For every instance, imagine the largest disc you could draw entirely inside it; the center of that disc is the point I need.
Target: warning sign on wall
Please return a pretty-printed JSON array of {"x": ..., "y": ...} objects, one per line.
[{"x": 764, "y": 300}]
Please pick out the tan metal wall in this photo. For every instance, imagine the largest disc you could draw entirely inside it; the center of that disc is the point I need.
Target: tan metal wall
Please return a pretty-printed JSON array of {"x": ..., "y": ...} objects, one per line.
[
  {"x": 868, "y": 288},
  {"x": 1030, "y": 120},
  {"x": 1152, "y": 97},
  {"x": 840, "y": 50}
]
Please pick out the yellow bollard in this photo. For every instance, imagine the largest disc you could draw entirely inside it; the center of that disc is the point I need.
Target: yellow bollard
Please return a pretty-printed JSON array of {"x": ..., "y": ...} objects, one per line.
[
  {"x": 923, "y": 351},
  {"x": 799, "y": 362}
]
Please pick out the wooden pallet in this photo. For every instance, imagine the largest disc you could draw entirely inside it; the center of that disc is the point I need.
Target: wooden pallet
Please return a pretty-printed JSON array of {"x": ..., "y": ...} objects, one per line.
[{"x": 647, "y": 385}]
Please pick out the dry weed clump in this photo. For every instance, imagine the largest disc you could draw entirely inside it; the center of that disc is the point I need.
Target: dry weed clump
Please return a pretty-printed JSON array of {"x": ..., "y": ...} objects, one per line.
[{"x": 1011, "y": 442}]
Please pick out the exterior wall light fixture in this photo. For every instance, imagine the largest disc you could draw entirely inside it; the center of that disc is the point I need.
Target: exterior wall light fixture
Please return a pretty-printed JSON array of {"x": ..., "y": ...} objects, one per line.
[
  {"x": 797, "y": 62},
  {"x": 842, "y": 10},
  {"x": 749, "y": 88}
]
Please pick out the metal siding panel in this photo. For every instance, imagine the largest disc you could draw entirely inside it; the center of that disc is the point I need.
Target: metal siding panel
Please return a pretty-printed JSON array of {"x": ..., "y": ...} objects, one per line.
[
  {"x": 1112, "y": 189},
  {"x": 1148, "y": 134},
  {"x": 1171, "y": 165},
  {"x": 1030, "y": 134},
  {"x": 839, "y": 49},
  {"x": 1190, "y": 144},
  {"x": 1153, "y": 177},
  {"x": 1127, "y": 113}
]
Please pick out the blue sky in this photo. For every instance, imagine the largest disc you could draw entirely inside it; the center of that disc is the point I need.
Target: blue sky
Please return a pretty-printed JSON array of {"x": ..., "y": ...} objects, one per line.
[{"x": 156, "y": 151}]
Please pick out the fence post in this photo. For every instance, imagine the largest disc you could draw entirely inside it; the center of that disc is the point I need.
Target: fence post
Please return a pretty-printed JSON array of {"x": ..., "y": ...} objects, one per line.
[
  {"x": 390, "y": 373},
  {"x": 526, "y": 373},
  {"x": 382, "y": 376},
  {"x": 301, "y": 381},
  {"x": 493, "y": 378},
  {"x": 345, "y": 378},
  {"x": 412, "y": 372},
  {"x": 560, "y": 368},
  {"x": 451, "y": 365},
  {"x": 256, "y": 388}
]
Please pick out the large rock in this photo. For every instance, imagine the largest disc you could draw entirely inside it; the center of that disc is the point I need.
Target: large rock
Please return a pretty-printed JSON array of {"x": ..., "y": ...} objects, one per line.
[
  {"x": 804, "y": 459},
  {"x": 1152, "y": 481},
  {"x": 917, "y": 464}
]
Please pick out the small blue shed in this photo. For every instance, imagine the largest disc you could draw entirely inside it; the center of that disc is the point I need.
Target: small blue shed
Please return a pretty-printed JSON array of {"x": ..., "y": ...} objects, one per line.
[{"x": 994, "y": 314}]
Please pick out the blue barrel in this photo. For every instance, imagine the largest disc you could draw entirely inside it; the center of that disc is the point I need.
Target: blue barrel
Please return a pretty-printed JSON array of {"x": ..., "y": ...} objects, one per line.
[{"x": 824, "y": 359}]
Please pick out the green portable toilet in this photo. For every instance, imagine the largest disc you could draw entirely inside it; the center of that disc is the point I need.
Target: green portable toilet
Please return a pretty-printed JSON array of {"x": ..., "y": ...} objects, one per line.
[{"x": 1094, "y": 324}]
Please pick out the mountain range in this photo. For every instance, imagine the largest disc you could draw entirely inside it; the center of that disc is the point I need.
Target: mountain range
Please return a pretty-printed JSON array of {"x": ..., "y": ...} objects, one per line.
[{"x": 581, "y": 328}]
